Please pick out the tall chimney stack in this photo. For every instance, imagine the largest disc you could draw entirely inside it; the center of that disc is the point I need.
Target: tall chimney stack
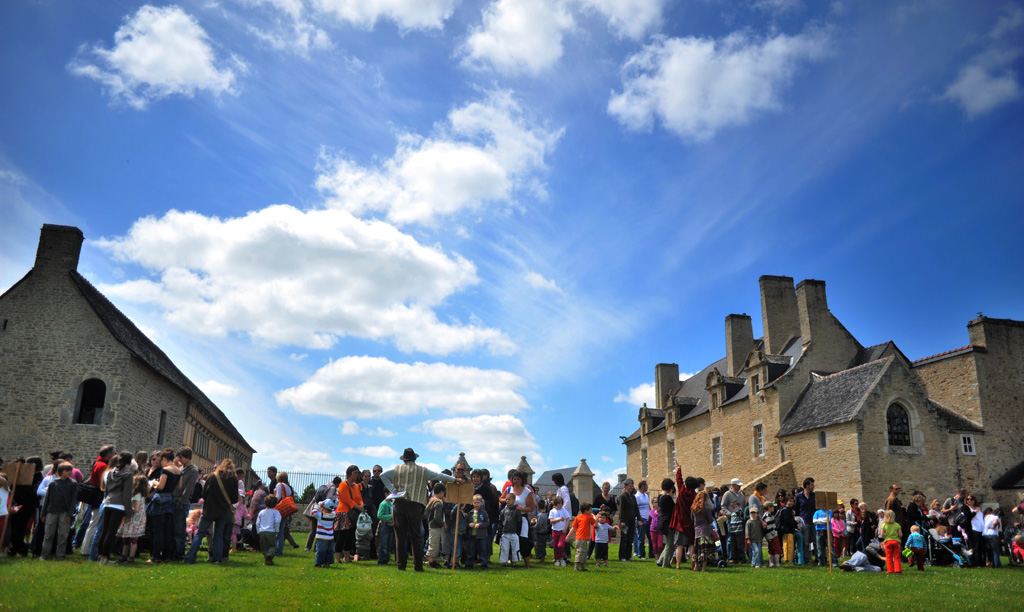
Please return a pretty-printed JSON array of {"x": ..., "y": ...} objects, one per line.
[
  {"x": 739, "y": 340},
  {"x": 59, "y": 248},
  {"x": 666, "y": 381},
  {"x": 779, "y": 315}
]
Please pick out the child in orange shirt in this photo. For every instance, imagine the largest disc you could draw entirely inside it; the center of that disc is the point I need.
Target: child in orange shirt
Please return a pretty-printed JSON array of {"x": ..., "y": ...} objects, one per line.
[{"x": 583, "y": 528}]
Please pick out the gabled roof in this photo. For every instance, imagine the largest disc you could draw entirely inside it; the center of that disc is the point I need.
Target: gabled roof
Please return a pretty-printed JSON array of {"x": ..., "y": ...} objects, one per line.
[
  {"x": 566, "y": 472},
  {"x": 141, "y": 347},
  {"x": 832, "y": 399},
  {"x": 633, "y": 436}
]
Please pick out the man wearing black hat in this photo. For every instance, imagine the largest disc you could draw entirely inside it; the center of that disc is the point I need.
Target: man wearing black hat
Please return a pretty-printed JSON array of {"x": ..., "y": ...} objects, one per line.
[{"x": 410, "y": 482}]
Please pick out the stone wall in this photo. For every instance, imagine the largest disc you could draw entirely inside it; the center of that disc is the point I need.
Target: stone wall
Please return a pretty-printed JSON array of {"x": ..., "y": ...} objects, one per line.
[
  {"x": 51, "y": 343},
  {"x": 953, "y": 382}
]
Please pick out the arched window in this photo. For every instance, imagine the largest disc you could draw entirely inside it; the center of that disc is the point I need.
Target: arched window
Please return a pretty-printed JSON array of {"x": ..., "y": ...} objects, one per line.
[
  {"x": 91, "y": 395},
  {"x": 898, "y": 424}
]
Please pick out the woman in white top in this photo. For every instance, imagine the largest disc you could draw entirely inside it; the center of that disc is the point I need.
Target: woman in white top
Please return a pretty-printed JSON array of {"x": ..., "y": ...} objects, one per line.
[
  {"x": 563, "y": 492},
  {"x": 525, "y": 503},
  {"x": 643, "y": 523}
]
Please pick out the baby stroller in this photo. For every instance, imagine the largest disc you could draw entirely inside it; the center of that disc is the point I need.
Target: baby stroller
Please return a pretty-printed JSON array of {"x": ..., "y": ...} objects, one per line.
[
  {"x": 951, "y": 552},
  {"x": 720, "y": 557}
]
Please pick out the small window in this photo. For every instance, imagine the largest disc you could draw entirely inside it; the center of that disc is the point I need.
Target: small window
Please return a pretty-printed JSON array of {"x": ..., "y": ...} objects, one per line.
[
  {"x": 967, "y": 443},
  {"x": 92, "y": 394},
  {"x": 716, "y": 450},
  {"x": 162, "y": 429},
  {"x": 723, "y": 398},
  {"x": 782, "y": 452},
  {"x": 898, "y": 424},
  {"x": 714, "y": 401},
  {"x": 755, "y": 382},
  {"x": 758, "y": 440},
  {"x": 822, "y": 439},
  {"x": 643, "y": 463},
  {"x": 671, "y": 454}
]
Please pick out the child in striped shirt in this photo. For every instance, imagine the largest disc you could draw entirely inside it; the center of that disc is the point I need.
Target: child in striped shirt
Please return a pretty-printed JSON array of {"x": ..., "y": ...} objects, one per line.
[{"x": 324, "y": 515}]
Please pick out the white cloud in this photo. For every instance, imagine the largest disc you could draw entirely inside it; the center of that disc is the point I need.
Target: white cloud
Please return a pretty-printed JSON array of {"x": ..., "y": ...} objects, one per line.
[
  {"x": 157, "y": 53},
  {"x": 377, "y": 452},
  {"x": 610, "y": 476},
  {"x": 988, "y": 80},
  {"x": 537, "y": 281},
  {"x": 298, "y": 356},
  {"x": 629, "y": 18},
  {"x": 519, "y": 36},
  {"x": 487, "y": 152},
  {"x": 284, "y": 276},
  {"x": 374, "y": 387},
  {"x": 696, "y": 86},
  {"x": 607, "y": 459},
  {"x": 213, "y": 387},
  {"x": 408, "y": 14},
  {"x": 351, "y": 428},
  {"x": 289, "y": 457},
  {"x": 638, "y": 396},
  {"x": 642, "y": 394},
  {"x": 487, "y": 440}
]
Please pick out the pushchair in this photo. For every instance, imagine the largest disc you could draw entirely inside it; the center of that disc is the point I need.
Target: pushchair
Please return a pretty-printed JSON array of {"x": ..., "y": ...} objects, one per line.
[
  {"x": 1008, "y": 535},
  {"x": 951, "y": 552}
]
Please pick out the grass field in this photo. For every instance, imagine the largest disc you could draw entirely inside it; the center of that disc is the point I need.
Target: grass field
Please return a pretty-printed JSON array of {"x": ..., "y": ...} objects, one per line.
[{"x": 244, "y": 583}]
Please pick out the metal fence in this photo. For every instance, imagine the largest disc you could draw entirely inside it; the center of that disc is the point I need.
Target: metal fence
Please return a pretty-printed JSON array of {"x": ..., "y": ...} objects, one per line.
[{"x": 299, "y": 480}]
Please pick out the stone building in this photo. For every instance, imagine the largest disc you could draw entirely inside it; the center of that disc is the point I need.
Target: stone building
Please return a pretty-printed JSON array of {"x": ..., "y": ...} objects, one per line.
[
  {"x": 807, "y": 399},
  {"x": 76, "y": 373}
]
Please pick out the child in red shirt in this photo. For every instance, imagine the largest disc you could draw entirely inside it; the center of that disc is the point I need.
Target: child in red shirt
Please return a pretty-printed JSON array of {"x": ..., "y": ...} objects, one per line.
[{"x": 583, "y": 528}]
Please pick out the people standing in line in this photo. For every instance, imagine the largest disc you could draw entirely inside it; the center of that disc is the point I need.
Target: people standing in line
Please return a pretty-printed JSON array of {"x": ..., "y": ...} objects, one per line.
[
  {"x": 666, "y": 506},
  {"x": 189, "y": 477},
  {"x": 161, "y": 507},
  {"x": 604, "y": 499},
  {"x": 702, "y": 513},
  {"x": 629, "y": 512},
  {"x": 220, "y": 494},
  {"x": 411, "y": 480},
  {"x": 385, "y": 531},
  {"x": 134, "y": 528},
  {"x": 350, "y": 504},
  {"x": 754, "y": 531},
  {"x": 282, "y": 490},
  {"x": 118, "y": 503},
  {"x": 643, "y": 521},
  {"x": 583, "y": 530},
  {"x": 324, "y": 515},
  {"x": 682, "y": 518},
  {"x": 805, "y": 508},
  {"x": 990, "y": 536},
  {"x": 58, "y": 512},
  {"x": 526, "y": 503},
  {"x": 787, "y": 527},
  {"x": 478, "y": 534},
  {"x": 894, "y": 503}
]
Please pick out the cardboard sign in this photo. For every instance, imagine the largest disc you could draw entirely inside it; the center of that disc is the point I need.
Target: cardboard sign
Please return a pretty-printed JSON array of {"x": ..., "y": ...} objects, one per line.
[
  {"x": 826, "y": 500},
  {"x": 459, "y": 493}
]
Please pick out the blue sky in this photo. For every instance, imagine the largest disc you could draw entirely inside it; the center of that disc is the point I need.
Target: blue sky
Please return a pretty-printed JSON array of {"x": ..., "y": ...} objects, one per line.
[{"x": 477, "y": 226}]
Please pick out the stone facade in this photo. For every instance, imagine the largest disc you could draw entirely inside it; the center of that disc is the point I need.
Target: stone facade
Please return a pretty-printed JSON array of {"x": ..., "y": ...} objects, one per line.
[
  {"x": 808, "y": 399},
  {"x": 59, "y": 337}
]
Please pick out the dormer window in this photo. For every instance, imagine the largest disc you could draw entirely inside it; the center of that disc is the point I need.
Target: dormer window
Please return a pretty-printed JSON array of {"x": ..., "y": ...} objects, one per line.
[{"x": 755, "y": 382}]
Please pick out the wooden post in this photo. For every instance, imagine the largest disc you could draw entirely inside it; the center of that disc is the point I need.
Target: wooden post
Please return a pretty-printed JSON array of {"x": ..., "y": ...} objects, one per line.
[{"x": 455, "y": 545}]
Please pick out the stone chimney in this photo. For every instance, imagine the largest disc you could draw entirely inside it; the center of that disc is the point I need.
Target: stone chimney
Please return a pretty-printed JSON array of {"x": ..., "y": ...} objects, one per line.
[
  {"x": 779, "y": 314},
  {"x": 666, "y": 381},
  {"x": 813, "y": 308},
  {"x": 59, "y": 248},
  {"x": 739, "y": 340}
]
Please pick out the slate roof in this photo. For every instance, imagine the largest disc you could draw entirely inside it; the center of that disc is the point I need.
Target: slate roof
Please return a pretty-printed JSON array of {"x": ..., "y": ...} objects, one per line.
[
  {"x": 633, "y": 436},
  {"x": 829, "y": 400},
  {"x": 871, "y": 353},
  {"x": 139, "y": 345},
  {"x": 954, "y": 420},
  {"x": 1012, "y": 479}
]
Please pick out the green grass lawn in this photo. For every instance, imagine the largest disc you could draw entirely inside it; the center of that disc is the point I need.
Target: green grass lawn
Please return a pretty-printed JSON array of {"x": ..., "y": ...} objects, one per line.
[{"x": 244, "y": 583}]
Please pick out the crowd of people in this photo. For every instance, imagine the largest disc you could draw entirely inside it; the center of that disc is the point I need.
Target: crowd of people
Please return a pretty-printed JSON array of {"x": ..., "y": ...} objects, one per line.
[{"x": 163, "y": 503}]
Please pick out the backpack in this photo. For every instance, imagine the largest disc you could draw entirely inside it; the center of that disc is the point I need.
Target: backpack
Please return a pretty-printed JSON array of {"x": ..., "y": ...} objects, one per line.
[{"x": 364, "y": 524}]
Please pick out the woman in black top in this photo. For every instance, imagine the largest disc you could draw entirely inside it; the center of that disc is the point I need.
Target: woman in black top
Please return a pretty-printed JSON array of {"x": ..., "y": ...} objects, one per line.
[
  {"x": 667, "y": 507},
  {"x": 161, "y": 509}
]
